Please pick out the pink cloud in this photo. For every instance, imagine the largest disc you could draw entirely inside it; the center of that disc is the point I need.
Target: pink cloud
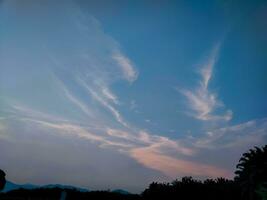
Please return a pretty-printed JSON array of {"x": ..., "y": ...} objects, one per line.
[{"x": 174, "y": 167}]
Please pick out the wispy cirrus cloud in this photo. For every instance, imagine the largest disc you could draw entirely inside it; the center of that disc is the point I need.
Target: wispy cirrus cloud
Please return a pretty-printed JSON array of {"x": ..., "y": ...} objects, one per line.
[
  {"x": 81, "y": 105},
  {"x": 201, "y": 100},
  {"x": 83, "y": 65},
  {"x": 95, "y": 94},
  {"x": 129, "y": 72},
  {"x": 174, "y": 167},
  {"x": 109, "y": 95},
  {"x": 244, "y": 134}
]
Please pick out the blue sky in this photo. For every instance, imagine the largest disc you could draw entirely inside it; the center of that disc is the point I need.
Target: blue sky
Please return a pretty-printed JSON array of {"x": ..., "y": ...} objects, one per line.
[{"x": 129, "y": 92}]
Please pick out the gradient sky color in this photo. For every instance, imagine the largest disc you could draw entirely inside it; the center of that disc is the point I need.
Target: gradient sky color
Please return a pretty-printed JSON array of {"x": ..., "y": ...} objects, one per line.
[{"x": 118, "y": 94}]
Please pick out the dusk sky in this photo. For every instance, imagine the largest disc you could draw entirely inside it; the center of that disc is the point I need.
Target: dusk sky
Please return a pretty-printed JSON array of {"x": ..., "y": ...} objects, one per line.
[{"x": 118, "y": 94}]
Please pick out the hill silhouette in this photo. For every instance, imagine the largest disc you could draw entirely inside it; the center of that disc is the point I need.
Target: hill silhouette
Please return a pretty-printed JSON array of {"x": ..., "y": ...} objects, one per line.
[{"x": 13, "y": 186}]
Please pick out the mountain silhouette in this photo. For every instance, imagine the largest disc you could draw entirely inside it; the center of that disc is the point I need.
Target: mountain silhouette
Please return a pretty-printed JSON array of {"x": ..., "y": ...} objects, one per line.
[
  {"x": 120, "y": 191},
  {"x": 13, "y": 186}
]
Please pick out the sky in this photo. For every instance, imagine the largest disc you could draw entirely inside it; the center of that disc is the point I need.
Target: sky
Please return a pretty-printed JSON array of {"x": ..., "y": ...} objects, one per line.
[{"x": 118, "y": 94}]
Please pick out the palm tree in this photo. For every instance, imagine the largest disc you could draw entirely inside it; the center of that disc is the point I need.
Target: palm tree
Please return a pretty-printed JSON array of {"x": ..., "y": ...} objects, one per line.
[
  {"x": 251, "y": 171},
  {"x": 2, "y": 179}
]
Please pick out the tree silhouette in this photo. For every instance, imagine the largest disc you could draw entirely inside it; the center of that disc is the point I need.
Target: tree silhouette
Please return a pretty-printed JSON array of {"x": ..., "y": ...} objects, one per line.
[
  {"x": 251, "y": 173},
  {"x": 191, "y": 189},
  {"x": 2, "y": 179}
]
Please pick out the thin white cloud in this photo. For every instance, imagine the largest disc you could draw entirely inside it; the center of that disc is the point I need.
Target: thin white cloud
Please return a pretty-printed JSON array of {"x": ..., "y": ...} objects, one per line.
[
  {"x": 160, "y": 144},
  {"x": 66, "y": 128},
  {"x": 201, "y": 100},
  {"x": 109, "y": 95},
  {"x": 245, "y": 134},
  {"x": 119, "y": 134},
  {"x": 128, "y": 70},
  {"x": 103, "y": 102},
  {"x": 84, "y": 108},
  {"x": 18, "y": 110}
]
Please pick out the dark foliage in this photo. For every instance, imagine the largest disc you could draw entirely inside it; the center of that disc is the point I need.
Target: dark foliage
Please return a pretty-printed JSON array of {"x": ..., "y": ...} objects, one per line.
[
  {"x": 36, "y": 194},
  {"x": 102, "y": 195},
  {"x": 2, "y": 179},
  {"x": 69, "y": 194},
  {"x": 188, "y": 188},
  {"x": 251, "y": 173}
]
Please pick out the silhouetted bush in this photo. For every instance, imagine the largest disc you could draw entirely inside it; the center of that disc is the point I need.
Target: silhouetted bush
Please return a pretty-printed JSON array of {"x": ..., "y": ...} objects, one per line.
[
  {"x": 2, "y": 179},
  {"x": 188, "y": 188}
]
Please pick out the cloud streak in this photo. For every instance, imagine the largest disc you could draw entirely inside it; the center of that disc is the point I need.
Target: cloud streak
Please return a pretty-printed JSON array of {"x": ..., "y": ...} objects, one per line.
[
  {"x": 126, "y": 65},
  {"x": 104, "y": 103},
  {"x": 244, "y": 134},
  {"x": 202, "y": 102},
  {"x": 173, "y": 167},
  {"x": 84, "y": 108}
]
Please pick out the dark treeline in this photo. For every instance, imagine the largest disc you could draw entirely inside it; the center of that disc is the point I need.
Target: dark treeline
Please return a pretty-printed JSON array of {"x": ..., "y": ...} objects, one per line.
[
  {"x": 188, "y": 188},
  {"x": 66, "y": 194},
  {"x": 250, "y": 183}
]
